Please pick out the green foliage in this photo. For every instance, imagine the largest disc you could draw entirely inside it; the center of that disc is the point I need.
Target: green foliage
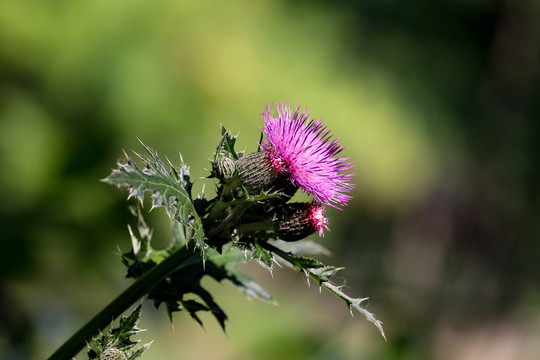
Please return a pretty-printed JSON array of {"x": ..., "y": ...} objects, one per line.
[
  {"x": 223, "y": 161},
  {"x": 323, "y": 274},
  {"x": 260, "y": 253},
  {"x": 226, "y": 145},
  {"x": 228, "y": 229},
  {"x": 116, "y": 343},
  {"x": 170, "y": 188},
  {"x": 182, "y": 290},
  {"x": 177, "y": 290}
]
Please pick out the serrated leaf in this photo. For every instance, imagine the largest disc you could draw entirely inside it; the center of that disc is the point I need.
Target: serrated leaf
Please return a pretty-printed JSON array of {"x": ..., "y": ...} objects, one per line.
[
  {"x": 170, "y": 189},
  {"x": 185, "y": 281},
  {"x": 226, "y": 268},
  {"x": 138, "y": 353},
  {"x": 260, "y": 253},
  {"x": 301, "y": 262},
  {"x": 141, "y": 243},
  {"x": 356, "y": 304},
  {"x": 128, "y": 325},
  {"x": 301, "y": 247},
  {"x": 180, "y": 235},
  {"x": 226, "y": 145},
  {"x": 322, "y": 273},
  {"x": 325, "y": 273},
  {"x": 178, "y": 288},
  {"x": 117, "y": 340},
  {"x": 192, "y": 307}
]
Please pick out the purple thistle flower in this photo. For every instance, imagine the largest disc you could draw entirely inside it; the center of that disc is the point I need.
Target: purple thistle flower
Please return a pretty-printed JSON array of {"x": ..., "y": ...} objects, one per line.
[{"x": 303, "y": 149}]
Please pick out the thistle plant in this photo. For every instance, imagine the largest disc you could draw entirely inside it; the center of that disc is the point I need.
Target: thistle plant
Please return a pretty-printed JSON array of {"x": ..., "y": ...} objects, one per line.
[
  {"x": 116, "y": 343},
  {"x": 252, "y": 216}
]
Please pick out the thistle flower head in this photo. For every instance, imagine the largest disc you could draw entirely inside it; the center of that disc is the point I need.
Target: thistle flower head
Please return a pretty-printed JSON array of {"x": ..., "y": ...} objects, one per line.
[
  {"x": 113, "y": 354},
  {"x": 303, "y": 149},
  {"x": 295, "y": 221}
]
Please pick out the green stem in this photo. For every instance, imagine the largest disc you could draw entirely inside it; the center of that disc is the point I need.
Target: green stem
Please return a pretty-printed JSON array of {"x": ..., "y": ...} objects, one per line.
[
  {"x": 230, "y": 219},
  {"x": 119, "y": 305},
  {"x": 224, "y": 200},
  {"x": 256, "y": 226}
]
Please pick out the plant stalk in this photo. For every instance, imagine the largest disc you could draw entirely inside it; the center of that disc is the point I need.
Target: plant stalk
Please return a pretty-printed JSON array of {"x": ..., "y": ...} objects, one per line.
[
  {"x": 122, "y": 302},
  {"x": 256, "y": 226},
  {"x": 229, "y": 220}
]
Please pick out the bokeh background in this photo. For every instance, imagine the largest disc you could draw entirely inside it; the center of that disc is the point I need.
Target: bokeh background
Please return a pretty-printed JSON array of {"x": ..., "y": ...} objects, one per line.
[{"x": 437, "y": 104}]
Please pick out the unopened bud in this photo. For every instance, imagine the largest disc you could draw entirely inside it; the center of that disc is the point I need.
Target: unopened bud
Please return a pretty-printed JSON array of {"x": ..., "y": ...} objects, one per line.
[
  {"x": 296, "y": 221},
  {"x": 224, "y": 167},
  {"x": 113, "y": 354},
  {"x": 259, "y": 173}
]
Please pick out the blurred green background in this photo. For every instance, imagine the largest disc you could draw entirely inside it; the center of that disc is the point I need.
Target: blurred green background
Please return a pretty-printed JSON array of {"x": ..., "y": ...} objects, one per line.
[{"x": 437, "y": 104}]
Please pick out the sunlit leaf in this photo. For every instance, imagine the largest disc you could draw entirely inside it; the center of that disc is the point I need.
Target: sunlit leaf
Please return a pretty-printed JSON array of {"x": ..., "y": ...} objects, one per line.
[
  {"x": 226, "y": 145},
  {"x": 170, "y": 188}
]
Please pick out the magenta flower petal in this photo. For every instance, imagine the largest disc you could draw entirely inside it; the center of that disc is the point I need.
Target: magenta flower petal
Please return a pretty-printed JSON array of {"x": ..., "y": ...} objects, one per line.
[{"x": 303, "y": 149}]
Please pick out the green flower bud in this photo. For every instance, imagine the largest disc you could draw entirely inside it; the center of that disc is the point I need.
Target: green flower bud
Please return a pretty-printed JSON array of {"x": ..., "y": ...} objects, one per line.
[
  {"x": 113, "y": 354},
  {"x": 259, "y": 173},
  {"x": 224, "y": 167}
]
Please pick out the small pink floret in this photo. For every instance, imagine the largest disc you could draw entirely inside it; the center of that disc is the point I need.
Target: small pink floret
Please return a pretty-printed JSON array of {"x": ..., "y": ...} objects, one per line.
[{"x": 317, "y": 219}]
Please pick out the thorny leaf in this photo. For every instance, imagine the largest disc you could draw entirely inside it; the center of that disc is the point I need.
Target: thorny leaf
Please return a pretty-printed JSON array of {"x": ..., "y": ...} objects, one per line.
[
  {"x": 119, "y": 339},
  {"x": 226, "y": 145},
  {"x": 177, "y": 290},
  {"x": 170, "y": 188},
  {"x": 322, "y": 274},
  {"x": 182, "y": 290}
]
